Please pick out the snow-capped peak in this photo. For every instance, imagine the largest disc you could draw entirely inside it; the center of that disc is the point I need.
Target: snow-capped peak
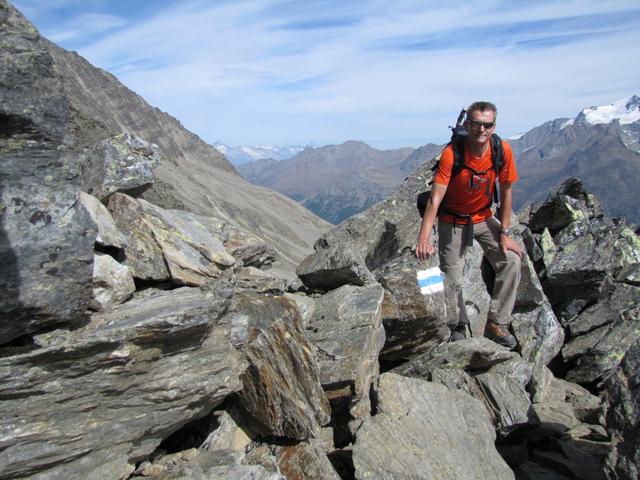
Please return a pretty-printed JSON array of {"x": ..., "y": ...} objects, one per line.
[{"x": 625, "y": 111}]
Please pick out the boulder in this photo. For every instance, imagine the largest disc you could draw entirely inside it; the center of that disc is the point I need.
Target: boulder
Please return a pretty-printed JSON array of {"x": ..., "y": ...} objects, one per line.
[
  {"x": 251, "y": 278},
  {"x": 305, "y": 461},
  {"x": 623, "y": 417},
  {"x": 569, "y": 203},
  {"x": 143, "y": 254},
  {"x": 112, "y": 282},
  {"x": 108, "y": 234},
  {"x": 491, "y": 373},
  {"x": 171, "y": 244},
  {"x": 539, "y": 334},
  {"x": 332, "y": 268},
  {"x": 282, "y": 395},
  {"x": 123, "y": 163},
  {"x": 422, "y": 430},
  {"x": 90, "y": 403},
  {"x": 347, "y": 333},
  {"x": 252, "y": 251},
  {"x": 602, "y": 334},
  {"x": 413, "y": 322},
  {"x": 575, "y": 278}
]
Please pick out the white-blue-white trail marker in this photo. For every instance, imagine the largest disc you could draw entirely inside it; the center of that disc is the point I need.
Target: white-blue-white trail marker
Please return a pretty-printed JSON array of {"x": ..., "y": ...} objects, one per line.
[{"x": 430, "y": 281}]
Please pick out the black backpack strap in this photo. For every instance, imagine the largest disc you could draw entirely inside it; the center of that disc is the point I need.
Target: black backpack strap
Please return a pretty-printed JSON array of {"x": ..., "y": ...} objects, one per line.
[
  {"x": 497, "y": 161},
  {"x": 458, "y": 155}
]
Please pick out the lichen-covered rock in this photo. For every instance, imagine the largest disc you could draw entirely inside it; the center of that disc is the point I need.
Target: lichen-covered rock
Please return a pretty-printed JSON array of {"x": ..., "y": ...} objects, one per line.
[
  {"x": 109, "y": 393},
  {"x": 108, "y": 233},
  {"x": 575, "y": 276},
  {"x": 623, "y": 417},
  {"x": 422, "y": 431},
  {"x": 282, "y": 395},
  {"x": 123, "y": 163},
  {"x": 539, "y": 334},
  {"x": 602, "y": 334},
  {"x": 112, "y": 282},
  {"x": 143, "y": 254},
  {"x": 569, "y": 203},
  {"x": 169, "y": 244}
]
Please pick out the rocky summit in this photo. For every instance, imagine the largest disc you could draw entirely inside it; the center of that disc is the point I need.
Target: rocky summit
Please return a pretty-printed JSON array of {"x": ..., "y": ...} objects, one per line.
[{"x": 145, "y": 337}]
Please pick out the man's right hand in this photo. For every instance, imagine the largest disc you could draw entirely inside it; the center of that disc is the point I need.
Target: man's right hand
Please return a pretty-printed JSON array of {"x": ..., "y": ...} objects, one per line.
[{"x": 424, "y": 249}]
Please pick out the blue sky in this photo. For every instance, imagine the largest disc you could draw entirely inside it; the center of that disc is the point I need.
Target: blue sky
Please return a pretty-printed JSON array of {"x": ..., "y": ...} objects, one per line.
[{"x": 389, "y": 72}]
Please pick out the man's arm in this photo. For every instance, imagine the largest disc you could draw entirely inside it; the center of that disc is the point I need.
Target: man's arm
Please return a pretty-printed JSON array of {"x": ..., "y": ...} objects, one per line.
[
  {"x": 424, "y": 247},
  {"x": 506, "y": 202}
]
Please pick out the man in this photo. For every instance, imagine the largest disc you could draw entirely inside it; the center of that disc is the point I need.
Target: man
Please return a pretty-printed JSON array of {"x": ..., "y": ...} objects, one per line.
[{"x": 469, "y": 195}]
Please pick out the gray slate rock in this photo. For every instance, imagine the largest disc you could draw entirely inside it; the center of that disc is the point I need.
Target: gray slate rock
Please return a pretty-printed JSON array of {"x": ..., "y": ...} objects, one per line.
[
  {"x": 422, "y": 431},
  {"x": 305, "y": 461},
  {"x": 112, "y": 282},
  {"x": 331, "y": 268},
  {"x": 251, "y": 278},
  {"x": 282, "y": 395},
  {"x": 574, "y": 276},
  {"x": 604, "y": 332},
  {"x": 569, "y": 203},
  {"x": 153, "y": 365},
  {"x": 347, "y": 333},
  {"x": 123, "y": 163},
  {"x": 108, "y": 233},
  {"x": 539, "y": 334},
  {"x": 413, "y": 322},
  {"x": 623, "y": 417}
]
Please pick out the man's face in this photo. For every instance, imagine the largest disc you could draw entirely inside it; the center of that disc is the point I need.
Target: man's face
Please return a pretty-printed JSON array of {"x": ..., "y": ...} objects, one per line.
[{"x": 480, "y": 126}]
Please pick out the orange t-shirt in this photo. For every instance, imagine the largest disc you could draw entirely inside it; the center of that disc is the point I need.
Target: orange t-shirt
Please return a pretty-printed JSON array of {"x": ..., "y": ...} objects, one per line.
[{"x": 468, "y": 192}]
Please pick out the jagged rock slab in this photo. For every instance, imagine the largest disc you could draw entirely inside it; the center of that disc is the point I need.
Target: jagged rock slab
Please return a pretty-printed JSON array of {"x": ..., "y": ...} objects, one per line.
[
  {"x": 251, "y": 278},
  {"x": 169, "y": 243},
  {"x": 143, "y": 254},
  {"x": 509, "y": 401},
  {"x": 346, "y": 330},
  {"x": 329, "y": 269},
  {"x": 252, "y": 251},
  {"x": 413, "y": 322},
  {"x": 123, "y": 163},
  {"x": 228, "y": 436},
  {"x": 282, "y": 395},
  {"x": 614, "y": 320},
  {"x": 152, "y": 365},
  {"x": 196, "y": 464},
  {"x": 112, "y": 282},
  {"x": 474, "y": 355},
  {"x": 623, "y": 417},
  {"x": 530, "y": 292},
  {"x": 539, "y": 333},
  {"x": 108, "y": 233},
  {"x": 569, "y": 203},
  {"x": 422, "y": 430},
  {"x": 305, "y": 462},
  {"x": 574, "y": 276}
]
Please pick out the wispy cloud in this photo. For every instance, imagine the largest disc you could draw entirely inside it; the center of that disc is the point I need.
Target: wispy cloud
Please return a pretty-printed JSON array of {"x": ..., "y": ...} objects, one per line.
[{"x": 388, "y": 72}]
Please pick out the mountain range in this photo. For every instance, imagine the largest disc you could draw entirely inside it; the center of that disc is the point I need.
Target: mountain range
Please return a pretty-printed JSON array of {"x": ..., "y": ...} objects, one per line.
[
  {"x": 241, "y": 154},
  {"x": 600, "y": 145}
]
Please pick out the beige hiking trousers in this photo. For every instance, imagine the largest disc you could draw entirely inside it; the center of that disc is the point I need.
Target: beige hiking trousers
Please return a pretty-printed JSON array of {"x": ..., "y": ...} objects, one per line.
[{"x": 451, "y": 247}]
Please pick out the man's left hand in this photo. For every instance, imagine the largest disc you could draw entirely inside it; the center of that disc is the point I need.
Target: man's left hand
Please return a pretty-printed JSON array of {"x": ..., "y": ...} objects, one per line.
[{"x": 507, "y": 243}]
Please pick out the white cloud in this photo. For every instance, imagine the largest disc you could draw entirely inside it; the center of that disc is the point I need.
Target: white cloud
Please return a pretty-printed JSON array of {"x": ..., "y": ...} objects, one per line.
[{"x": 389, "y": 73}]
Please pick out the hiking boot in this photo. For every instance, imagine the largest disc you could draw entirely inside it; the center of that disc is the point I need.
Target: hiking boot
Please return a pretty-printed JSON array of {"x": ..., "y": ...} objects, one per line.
[
  {"x": 458, "y": 333},
  {"x": 500, "y": 334}
]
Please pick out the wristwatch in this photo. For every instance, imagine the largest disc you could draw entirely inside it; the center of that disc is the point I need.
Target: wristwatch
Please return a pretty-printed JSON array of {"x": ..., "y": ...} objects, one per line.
[{"x": 505, "y": 231}]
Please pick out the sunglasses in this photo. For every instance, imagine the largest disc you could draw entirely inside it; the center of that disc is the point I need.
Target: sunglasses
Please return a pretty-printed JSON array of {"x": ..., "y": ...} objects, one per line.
[{"x": 477, "y": 124}]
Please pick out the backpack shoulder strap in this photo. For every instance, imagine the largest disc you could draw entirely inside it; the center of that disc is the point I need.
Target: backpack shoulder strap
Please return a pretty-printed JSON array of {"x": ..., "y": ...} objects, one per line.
[
  {"x": 457, "y": 144},
  {"x": 497, "y": 153}
]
